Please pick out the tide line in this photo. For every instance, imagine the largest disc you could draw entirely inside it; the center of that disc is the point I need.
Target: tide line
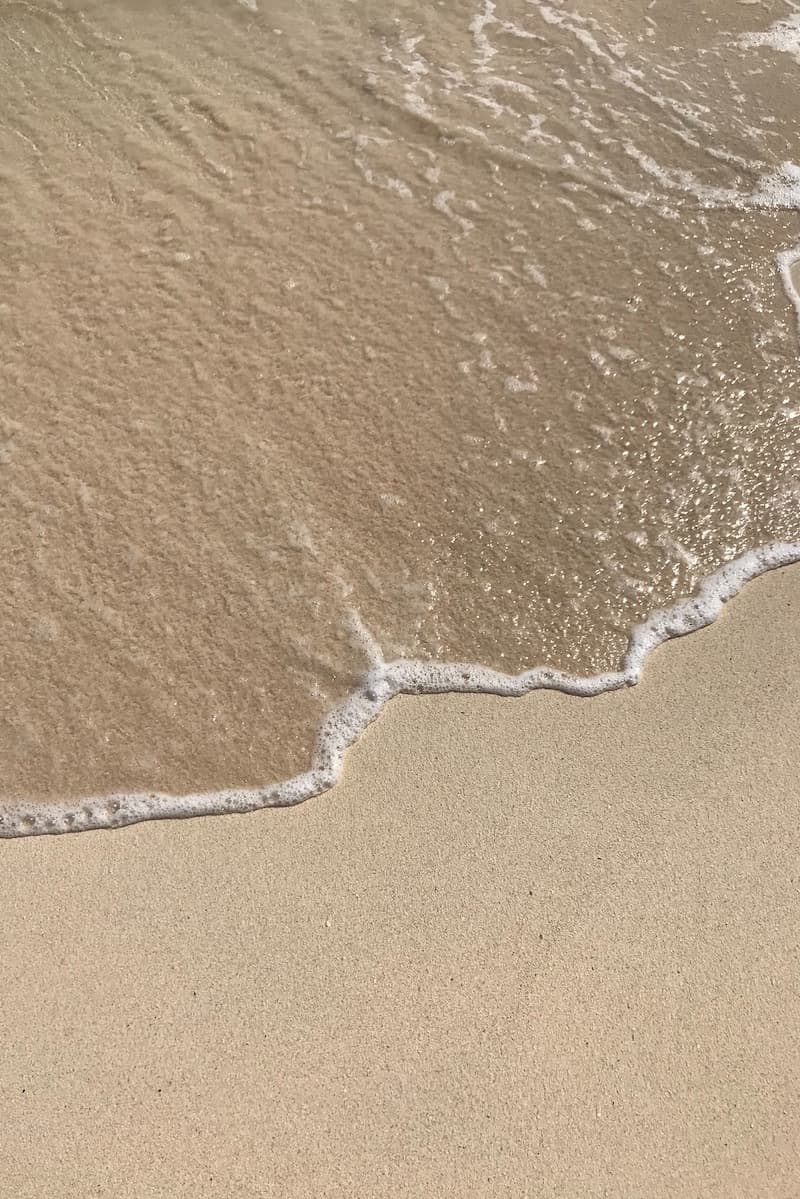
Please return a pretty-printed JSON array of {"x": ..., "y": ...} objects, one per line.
[{"x": 345, "y": 723}]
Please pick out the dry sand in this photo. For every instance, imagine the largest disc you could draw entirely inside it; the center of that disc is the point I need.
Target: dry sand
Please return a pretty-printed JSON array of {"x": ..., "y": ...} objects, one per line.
[{"x": 542, "y": 947}]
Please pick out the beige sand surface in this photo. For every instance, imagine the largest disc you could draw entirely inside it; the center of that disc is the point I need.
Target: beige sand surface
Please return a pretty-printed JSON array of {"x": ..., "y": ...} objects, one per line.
[{"x": 543, "y": 947}]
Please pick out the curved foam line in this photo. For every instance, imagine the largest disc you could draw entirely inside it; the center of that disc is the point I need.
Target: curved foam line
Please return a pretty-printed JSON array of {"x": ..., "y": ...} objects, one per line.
[
  {"x": 787, "y": 261},
  {"x": 344, "y": 724}
]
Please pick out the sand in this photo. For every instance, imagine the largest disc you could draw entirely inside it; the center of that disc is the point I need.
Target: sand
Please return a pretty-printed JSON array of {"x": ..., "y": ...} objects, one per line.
[
  {"x": 542, "y": 947},
  {"x": 468, "y": 320}
]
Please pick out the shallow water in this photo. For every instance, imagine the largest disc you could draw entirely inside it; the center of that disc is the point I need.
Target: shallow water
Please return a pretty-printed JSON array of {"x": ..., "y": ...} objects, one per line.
[{"x": 467, "y": 325}]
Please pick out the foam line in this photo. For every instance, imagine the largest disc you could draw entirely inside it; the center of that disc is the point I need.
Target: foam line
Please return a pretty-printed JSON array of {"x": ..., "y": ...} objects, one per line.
[
  {"x": 345, "y": 723},
  {"x": 788, "y": 261}
]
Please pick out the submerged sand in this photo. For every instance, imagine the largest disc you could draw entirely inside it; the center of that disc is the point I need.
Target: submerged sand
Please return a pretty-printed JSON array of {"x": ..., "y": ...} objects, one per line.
[
  {"x": 464, "y": 316},
  {"x": 540, "y": 947}
]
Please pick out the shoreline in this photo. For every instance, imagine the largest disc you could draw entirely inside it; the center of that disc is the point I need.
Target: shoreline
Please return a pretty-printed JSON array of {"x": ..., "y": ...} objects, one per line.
[
  {"x": 536, "y": 947},
  {"x": 345, "y": 724}
]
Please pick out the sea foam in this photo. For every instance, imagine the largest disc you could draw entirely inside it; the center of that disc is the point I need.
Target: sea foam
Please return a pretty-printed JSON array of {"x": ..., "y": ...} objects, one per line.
[
  {"x": 783, "y": 36},
  {"x": 788, "y": 265},
  {"x": 345, "y": 723}
]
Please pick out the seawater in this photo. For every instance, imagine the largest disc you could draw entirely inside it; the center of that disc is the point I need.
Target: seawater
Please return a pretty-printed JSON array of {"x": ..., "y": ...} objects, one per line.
[{"x": 338, "y": 335}]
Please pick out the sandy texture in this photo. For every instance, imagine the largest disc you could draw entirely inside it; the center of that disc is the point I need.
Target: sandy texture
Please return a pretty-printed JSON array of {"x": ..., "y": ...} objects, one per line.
[{"x": 543, "y": 947}]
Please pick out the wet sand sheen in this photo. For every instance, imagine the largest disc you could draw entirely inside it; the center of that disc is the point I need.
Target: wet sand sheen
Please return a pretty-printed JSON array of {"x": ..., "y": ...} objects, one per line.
[
  {"x": 310, "y": 311},
  {"x": 545, "y": 945}
]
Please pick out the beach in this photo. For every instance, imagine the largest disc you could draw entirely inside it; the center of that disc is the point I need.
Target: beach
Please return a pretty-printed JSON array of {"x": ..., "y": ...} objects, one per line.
[
  {"x": 544, "y": 946},
  {"x": 400, "y": 529}
]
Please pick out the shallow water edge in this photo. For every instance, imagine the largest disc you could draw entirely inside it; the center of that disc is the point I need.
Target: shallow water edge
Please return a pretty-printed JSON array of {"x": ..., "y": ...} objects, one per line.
[{"x": 345, "y": 723}]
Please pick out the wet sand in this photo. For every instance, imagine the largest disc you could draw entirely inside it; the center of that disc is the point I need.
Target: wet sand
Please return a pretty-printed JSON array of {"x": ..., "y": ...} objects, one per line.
[
  {"x": 540, "y": 947},
  {"x": 466, "y": 317}
]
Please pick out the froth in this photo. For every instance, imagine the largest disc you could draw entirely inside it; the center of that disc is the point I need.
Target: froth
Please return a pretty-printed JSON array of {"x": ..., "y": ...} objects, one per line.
[
  {"x": 345, "y": 723},
  {"x": 783, "y": 36}
]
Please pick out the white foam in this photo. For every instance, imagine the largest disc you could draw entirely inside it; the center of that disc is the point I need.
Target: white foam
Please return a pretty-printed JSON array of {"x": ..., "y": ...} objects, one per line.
[
  {"x": 348, "y": 719},
  {"x": 484, "y": 50},
  {"x": 789, "y": 265},
  {"x": 778, "y": 189},
  {"x": 783, "y": 36},
  {"x": 577, "y": 26}
]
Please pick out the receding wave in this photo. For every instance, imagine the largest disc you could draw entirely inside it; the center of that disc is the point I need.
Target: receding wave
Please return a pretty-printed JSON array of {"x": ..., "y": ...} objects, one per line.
[
  {"x": 380, "y": 684},
  {"x": 479, "y": 321}
]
